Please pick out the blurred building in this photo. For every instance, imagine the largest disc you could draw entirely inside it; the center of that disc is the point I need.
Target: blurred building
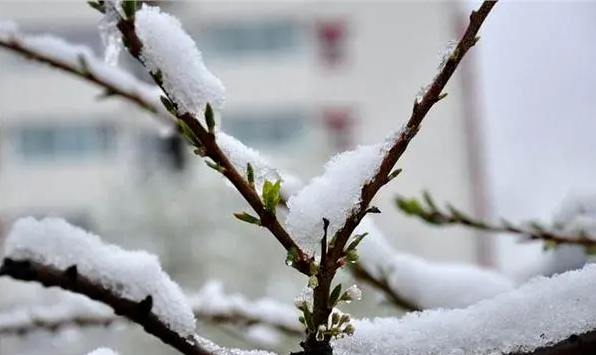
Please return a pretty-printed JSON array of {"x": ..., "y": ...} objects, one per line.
[{"x": 304, "y": 79}]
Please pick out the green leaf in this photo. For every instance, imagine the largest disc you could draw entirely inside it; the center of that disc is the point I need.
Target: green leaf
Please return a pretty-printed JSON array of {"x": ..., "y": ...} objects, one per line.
[
  {"x": 310, "y": 324},
  {"x": 214, "y": 166},
  {"x": 210, "y": 119},
  {"x": 168, "y": 105},
  {"x": 352, "y": 256},
  {"x": 394, "y": 174},
  {"x": 97, "y": 6},
  {"x": 334, "y": 297},
  {"x": 129, "y": 7},
  {"x": 188, "y": 133},
  {"x": 246, "y": 217},
  {"x": 271, "y": 196},
  {"x": 357, "y": 239},
  {"x": 410, "y": 206},
  {"x": 250, "y": 175}
]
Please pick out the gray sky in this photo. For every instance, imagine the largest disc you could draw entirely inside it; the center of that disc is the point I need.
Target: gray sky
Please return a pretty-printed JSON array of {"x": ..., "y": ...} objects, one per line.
[{"x": 538, "y": 80}]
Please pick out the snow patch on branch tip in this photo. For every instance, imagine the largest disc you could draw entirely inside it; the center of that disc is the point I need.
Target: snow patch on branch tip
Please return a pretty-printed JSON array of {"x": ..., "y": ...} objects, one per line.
[
  {"x": 543, "y": 312},
  {"x": 132, "y": 275},
  {"x": 423, "y": 283},
  {"x": 168, "y": 49},
  {"x": 333, "y": 195},
  {"x": 240, "y": 155}
]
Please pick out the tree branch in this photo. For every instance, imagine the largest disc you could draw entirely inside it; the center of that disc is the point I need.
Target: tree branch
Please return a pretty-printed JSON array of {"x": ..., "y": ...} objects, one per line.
[
  {"x": 137, "y": 312},
  {"x": 429, "y": 212},
  {"x": 239, "y": 312},
  {"x": 421, "y": 108},
  {"x": 136, "y": 94},
  {"x": 213, "y": 151}
]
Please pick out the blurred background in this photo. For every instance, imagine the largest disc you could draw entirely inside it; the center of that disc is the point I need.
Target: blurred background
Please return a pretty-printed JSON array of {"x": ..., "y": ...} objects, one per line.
[{"x": 304, "y": 80}]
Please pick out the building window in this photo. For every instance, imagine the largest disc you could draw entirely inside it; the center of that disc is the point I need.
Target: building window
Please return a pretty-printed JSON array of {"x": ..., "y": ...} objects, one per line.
[
  {"x": 266, "y": 129},
  {"x": 332, "y": 40},
  {"x": 60, "y": 142},
  {"x": 339, "y": 123},
  {"x": 240, "y": 40}
]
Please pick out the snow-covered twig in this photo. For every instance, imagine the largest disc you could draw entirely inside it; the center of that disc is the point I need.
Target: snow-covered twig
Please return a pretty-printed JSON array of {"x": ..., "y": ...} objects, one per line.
[
  {"x": 211, "y": 305},
  {"x": 391, "y": 155},
  {"x": 71, "y": 280},
  {"x": 176, "y": 87},
  {"x": 55, "y": 253},
  {"x": 80, "y": 61},
  {"x": 428, "y": 211}
]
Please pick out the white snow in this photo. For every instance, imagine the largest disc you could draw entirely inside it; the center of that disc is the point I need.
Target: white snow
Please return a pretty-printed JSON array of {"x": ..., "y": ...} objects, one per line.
[
  {"x": 424, "y": 283},
  {"x": 218, "y": 350},
  {"x": 103, "y": 351},
  {"x": 72, "y": 55},
  {"x": 542, "y": 312},
  {"x": 133, "y": 275},
  {"x": 71, "y": 307},
  {"x": 577, "y": 216},
  {"x": 332, "y": 195},
  {"x": 240, "y": 155},
  {"x": 211, "y": 301},
  {"x": 109, "y": 33},
  {"x": 167, "y": 47}
]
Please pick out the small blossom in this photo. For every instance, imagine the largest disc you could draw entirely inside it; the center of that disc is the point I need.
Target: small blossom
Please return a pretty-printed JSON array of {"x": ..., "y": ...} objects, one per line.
[
  {"x": 349, "y": 329},
  {"x": 352, "y": 293}
]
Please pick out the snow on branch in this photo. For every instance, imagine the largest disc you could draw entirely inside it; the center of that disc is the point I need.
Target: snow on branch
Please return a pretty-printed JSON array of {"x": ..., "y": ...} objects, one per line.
[
  {"x": 413, "y": 283},
  {"x": 332, "y": 195},
  {"x": 55, "y": 253},
  {"x": 168, "y": 50},
  {"x": 545, "y": 316},
  {"x": 211, "y": 304},
  {"x": 179, "y": 85},
  {"x": 574, "y": 224},
  {"x": 80, "y": 61}
]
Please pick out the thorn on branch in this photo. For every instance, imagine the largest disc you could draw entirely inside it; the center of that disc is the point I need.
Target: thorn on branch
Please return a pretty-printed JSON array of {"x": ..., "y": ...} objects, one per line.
[{"x": 146, "y": 305}]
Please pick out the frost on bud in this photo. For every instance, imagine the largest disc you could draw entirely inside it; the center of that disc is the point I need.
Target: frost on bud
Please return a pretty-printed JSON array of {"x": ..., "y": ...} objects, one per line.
[{"x": 351, "y": 294}]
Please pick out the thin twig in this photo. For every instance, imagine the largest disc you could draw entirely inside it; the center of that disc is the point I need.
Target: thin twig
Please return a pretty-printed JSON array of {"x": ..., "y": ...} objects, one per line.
[
  {"x": 137, "y": 312},
  {"x": 15, "y": 45},
  {"x": 531, "y": 231}
]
